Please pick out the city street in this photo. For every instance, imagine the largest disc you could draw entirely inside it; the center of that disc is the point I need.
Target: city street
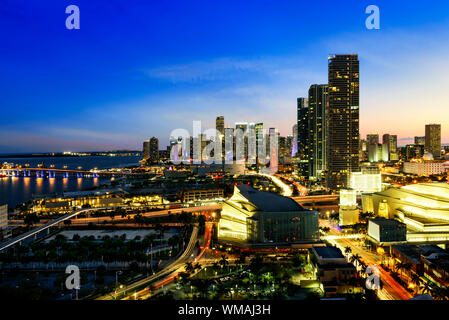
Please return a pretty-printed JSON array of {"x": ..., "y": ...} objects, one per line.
[{"x": 391, "y": 290}]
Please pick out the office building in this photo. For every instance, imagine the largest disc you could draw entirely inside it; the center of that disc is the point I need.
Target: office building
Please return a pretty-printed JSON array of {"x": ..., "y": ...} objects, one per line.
[
  {"x": 260, "y": 143},
  {"x": 303, "y": 137},
  {"x": 373, "y": 147},
  {"x": 219, "y": 125},
  {"x": 348, "y": 210},
  {"x": 333, "y": 271},
  {"x": 194, "y": 195},
  {"x": 433, "y": 140},
  {"x": 389, "y": 147},
  {"x": 229, "y": 150},
  {"x": 252, "y": 216},
  {"x": 343, "y": 120},
  {"x": 154, "y": 150},
  {"x": 312, "y": 131},
  {"x": 420, "y": 140},
  {"x": 386, "y": 231},
  {"x": 425, "y": 167},
  {"x": 366, "y": 181},
  {"x": 146, "y": 150},
  {"x": 295, "y": 140},
  {"x": 414, "y": 151},
  {"x": 3, "y": 217},
  {"x": 317, "y": 117}
]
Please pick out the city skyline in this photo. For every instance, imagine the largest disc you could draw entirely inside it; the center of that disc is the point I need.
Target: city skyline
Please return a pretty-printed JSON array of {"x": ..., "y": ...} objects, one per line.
[{"x": 82, "y": 97}]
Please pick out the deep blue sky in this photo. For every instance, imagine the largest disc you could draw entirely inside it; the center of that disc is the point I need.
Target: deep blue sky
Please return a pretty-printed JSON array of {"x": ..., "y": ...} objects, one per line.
[{"x": 138, "y": 69}]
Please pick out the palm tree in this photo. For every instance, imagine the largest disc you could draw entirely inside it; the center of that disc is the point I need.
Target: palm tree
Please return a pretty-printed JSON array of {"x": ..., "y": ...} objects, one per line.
[
  {"x": 355, "y": 259},
  {"x": 416, "y": 280},
  {"x": 397, "y": 266},
  {"x": 348, "y": 251}
]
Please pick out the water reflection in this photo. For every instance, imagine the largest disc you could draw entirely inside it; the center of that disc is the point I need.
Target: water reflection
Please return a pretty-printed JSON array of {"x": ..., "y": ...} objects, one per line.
[
  {"x": 51, "y": 182},
  {"x": 39, "y": 184},
  {"x": 16, "y": 190},
  {"x": 65, "y": 182}
]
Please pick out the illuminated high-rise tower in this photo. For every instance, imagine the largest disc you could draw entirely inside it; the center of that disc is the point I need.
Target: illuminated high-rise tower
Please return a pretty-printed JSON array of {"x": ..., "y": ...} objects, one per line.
[
  {"x": 154, "y": 149},
  {"x": 146, "y": 150},
  {"x": 220, "y": 132},
  {"x": 219, "y": 125},
  {"x": 295, "y": 140},
  {"x": 433, "y": 140},
  {"x": 303, "y": 137},
  {"x": 343, "y": 119},
  {"x": 318, "y": 110}
]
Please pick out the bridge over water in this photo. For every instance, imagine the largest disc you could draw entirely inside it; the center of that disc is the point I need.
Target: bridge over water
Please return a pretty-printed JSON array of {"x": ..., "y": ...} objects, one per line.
[{"x": 66, "y": 173}]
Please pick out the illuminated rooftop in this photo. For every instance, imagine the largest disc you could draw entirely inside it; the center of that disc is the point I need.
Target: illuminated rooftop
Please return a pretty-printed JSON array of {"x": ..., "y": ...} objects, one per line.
[{"x": 266, "y": 201}]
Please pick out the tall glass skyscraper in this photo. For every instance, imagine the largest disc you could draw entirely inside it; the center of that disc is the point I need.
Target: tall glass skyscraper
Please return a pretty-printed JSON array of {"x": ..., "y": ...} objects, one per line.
[
  {"x": 318, "y": 110},
  {"x": 433, "y": 140},
  {"x": 312, "y": 131},
  {"x": 219, "y": 125},
  {"x": 343, "y": 119},
  {"x": 303, "y": 137}
]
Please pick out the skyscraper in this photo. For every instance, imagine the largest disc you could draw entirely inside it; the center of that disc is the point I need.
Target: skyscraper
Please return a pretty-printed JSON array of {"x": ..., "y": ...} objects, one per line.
[
  {"x": 389, "y": 146},
  {"x": 229, "y": 150},
  {"x": 241, "y": 140},
  {"x": 295, "y": 140},
  {"x": 372, "y": 145},
  {"x": 146, "y": 150},
  {"x": 303, "y": 137},
  {"x": 260, "y": 145},
  {"x": 318, "y": 109},
  {"x": 343, "y": 130},
  {"x": 420, "y": 140},
  {"x": 219, "y": 125},
  {"x": 433, "y": 140},
  {"x": 154, "y": 149}
]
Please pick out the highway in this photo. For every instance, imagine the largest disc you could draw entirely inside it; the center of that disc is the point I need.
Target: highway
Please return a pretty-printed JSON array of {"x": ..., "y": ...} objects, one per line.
[
  {"x": 286, "y": 190},
  {"x": 47, "y": 225},
  {"x": 71, "y": 215},
  {"x": 174, "y": 270},
  {"x": 166, "y": 271}
]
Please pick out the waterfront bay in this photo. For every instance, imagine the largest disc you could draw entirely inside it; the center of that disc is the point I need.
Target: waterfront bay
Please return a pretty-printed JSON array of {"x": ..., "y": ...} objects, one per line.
[{"x": 16, "y": 190}]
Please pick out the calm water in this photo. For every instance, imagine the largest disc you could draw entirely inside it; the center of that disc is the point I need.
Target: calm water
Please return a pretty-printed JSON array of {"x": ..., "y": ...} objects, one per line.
[{"x": 14, "y": 191}]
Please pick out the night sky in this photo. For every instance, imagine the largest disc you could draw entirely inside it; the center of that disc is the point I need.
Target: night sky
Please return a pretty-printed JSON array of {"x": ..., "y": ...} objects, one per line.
[{"x": 137, "y": 69}]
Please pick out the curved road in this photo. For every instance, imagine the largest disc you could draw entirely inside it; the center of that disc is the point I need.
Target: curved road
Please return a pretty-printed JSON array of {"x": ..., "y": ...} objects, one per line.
[{"x": 167, "y": 270}]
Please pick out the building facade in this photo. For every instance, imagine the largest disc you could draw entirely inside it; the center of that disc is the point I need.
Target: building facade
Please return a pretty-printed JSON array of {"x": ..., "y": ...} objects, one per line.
[
  {"x": 303, "y": 137},
  {"x": 433, "y": 140},
  {"x": 252, "y": 216},
  {"x": 154, "y": 150},
  {"x": 3, "y": 217},
  {"x": 424, "y": 168},
  {"x": 318, "y": 111},
  {"x": 343, "y": 130},
  {"x": 384, "y": 231}
]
